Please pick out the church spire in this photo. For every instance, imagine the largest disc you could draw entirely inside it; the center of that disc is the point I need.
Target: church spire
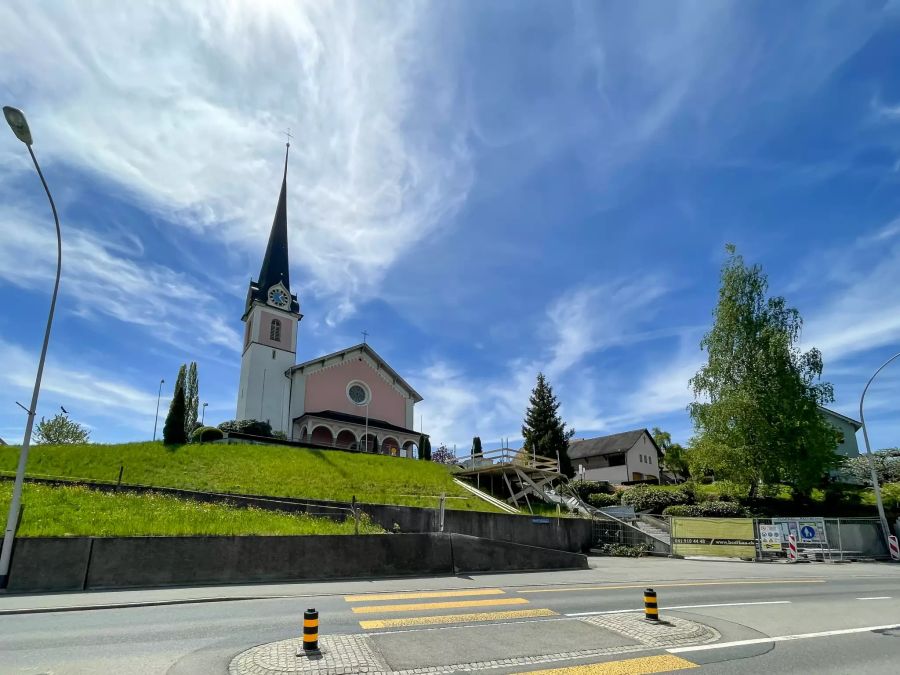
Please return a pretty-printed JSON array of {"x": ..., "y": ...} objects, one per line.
[{"x": 275, "y": 264}]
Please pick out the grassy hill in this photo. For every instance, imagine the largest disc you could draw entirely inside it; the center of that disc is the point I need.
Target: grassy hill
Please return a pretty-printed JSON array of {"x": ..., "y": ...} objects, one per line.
[
  {"x": 254, "y": 469},
  {"x": 73, "y": 511}
]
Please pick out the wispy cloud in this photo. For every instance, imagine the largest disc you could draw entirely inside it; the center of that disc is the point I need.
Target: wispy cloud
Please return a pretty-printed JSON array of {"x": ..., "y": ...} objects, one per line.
[
  {"x": 183, "y": 105},
  {"x": 104, "y": 278}
]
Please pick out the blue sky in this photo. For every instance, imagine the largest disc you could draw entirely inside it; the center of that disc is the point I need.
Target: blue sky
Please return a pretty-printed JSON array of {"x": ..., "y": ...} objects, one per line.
[{"x": 488, "y": 189}]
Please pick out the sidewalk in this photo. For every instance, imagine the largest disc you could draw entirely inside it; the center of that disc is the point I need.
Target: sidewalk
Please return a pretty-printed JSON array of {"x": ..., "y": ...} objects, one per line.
[{"x": 603, "y": 570}]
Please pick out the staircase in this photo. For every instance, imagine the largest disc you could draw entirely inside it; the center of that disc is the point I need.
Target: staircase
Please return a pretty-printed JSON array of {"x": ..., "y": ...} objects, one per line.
[
  {"x": 652, "y": 528},
  {"x": 490, "y": 499}
]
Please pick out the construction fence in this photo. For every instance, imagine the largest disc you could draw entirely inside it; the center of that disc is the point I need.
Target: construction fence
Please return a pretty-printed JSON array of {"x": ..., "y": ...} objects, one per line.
[{"x": 825, "y": 539}]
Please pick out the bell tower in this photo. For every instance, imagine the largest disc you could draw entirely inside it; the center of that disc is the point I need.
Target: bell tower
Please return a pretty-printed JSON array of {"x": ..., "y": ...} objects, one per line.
[{"x": 271, "y": 316}]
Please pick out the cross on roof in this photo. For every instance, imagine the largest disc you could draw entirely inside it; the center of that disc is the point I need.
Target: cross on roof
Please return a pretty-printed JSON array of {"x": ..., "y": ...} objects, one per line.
[
  {"x": 289, "y": 136},
  {"x": 365, "y": 334}
]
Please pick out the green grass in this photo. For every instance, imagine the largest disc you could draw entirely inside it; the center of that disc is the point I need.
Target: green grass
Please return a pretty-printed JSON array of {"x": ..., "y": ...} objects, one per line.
[
  {"x": 74, "y": 511},
  {"x": 255, "y": 469}
]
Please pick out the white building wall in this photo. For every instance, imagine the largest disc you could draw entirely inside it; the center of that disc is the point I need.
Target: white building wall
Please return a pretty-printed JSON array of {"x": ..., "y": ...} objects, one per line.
[
  {"x": 610, "y": 474},
  {"x": 643, "y": 448}
]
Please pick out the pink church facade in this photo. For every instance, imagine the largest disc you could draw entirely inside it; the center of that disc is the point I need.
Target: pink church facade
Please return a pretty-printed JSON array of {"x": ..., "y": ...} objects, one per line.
[{"x": 353, "y": 399}]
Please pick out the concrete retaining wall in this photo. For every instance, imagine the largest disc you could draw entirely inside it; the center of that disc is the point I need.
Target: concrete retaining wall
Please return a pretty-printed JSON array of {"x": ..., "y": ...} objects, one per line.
[{"x": 78, "y": 563}]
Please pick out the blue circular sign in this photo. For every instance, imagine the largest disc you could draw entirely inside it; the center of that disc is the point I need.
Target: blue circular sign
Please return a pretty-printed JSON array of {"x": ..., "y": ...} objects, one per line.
[{"x": 808, "y": 532}]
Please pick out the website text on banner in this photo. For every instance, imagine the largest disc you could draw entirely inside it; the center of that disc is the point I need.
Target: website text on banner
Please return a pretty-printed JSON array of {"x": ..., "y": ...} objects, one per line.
[{"x": 725, "y": 537}]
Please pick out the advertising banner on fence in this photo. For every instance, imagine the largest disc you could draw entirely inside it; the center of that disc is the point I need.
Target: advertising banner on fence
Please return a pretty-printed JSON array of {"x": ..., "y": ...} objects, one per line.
[{"x": 726, "y": 537}]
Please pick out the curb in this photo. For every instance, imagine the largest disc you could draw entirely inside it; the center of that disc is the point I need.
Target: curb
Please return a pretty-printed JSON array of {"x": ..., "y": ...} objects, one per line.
[{"x": 130, "y": 605}]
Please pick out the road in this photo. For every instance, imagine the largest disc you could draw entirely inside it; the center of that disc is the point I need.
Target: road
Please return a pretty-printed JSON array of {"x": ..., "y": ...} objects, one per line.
[{"x": 747, "y": 603}]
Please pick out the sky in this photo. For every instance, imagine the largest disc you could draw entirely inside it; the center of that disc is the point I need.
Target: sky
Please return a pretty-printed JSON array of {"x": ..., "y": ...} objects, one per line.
[{"x": 488, "y": 189}]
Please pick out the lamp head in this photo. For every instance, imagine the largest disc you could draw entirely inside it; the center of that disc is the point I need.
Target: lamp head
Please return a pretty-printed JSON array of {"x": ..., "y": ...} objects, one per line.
[{"x": 18, "y": 123}]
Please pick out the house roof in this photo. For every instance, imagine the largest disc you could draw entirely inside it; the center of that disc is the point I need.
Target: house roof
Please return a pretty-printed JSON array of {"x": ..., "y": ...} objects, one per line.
[
  {"x": 362, "y": 346},
  {"x": 608, "y": 445},
  {"x": 357, "y": 419},
  {"x": 849, "y": 420}
]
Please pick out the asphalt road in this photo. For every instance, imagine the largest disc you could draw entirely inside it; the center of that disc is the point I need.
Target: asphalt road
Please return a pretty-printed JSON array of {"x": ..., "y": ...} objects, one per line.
[{"x": 744, "y": 602}]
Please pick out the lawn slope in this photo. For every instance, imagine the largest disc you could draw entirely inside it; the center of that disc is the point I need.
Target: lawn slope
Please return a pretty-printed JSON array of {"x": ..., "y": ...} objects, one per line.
[
  {"x": 73, "y": 511},
  {"x": 254, "y": 469}
]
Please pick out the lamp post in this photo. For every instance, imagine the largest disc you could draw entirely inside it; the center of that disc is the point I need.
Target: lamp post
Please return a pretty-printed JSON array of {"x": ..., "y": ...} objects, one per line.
[
  {"x": 19, "y": 125},
  {"x": 158, "y": 396},
  {"x": 366, "y": 435},
  {"x": 862, "y": 419},
  {"x": 203, "y": 414}
]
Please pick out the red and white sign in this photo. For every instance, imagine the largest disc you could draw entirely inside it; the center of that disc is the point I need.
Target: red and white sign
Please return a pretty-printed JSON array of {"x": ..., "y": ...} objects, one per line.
[
  {"x": 895, "y": 550},
  {"x": 792, "y": 548}
]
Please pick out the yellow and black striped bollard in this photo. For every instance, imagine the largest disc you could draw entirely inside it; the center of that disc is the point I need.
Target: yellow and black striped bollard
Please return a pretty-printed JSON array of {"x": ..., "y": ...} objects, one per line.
[
  {"x": 651, "y": 609},
  {"x": 310, "y": 631}
]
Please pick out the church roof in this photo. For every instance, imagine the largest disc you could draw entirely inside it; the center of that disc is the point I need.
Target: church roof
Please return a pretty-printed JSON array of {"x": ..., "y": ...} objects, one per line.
[
  {"x": 357, "y": 419},
  {"x": 607, "y": 445},
  {"x": 275, "y": 266},
  {"x": 371, "y": 353}
]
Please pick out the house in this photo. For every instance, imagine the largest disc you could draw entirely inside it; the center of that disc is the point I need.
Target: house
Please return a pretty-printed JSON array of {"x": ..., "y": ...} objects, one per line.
[
  {"x": 848, "y": 427},
  {"x": 619, "y": 458}
]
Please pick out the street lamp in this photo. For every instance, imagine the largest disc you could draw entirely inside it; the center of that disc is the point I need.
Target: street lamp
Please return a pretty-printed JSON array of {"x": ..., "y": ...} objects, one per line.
[
  {"x": 19, "y": 126},
  {"x": 158, "y": 396},
  {"x": 203, "y": 414},
  {"x": 862, "y": 419}
]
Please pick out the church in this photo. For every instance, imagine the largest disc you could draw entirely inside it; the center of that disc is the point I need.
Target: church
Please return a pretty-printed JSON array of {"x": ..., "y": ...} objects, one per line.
[{"x": 350, "y": 399}]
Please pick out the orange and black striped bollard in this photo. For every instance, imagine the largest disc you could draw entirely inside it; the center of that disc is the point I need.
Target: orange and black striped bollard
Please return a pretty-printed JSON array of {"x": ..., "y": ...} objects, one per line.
[
  {"x": 651, "y": 609},
  {"x": 310, "y": 631}
]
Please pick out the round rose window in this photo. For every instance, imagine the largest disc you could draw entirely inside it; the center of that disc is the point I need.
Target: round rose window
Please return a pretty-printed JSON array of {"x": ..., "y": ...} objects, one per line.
[{"x": 357, "y": 394}]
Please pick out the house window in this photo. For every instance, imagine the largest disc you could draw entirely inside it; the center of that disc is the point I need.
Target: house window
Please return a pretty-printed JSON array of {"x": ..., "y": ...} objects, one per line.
[{"x": 275, "y": 331}]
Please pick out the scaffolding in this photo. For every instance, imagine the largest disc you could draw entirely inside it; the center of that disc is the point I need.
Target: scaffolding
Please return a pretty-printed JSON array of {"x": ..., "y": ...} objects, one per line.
[{"x": 522, "y": 474}]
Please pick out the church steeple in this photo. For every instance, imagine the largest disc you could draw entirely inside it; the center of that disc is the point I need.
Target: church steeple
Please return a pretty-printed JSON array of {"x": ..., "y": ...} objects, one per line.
[
  {"x": 275, "y": 272},
  {"x": 275, "y": 263}
]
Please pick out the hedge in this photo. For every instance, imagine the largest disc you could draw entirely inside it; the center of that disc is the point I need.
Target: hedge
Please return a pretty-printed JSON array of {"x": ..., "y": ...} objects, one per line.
[
  {"x": 600, "y": 500},
  {"x": 707, "y": 510},
  {"x": 655, "y": 499},
  {"x": 206, "y": 435}
]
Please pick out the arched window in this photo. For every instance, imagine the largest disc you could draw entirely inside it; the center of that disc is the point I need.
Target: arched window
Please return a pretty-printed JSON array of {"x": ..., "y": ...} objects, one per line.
[{"x": 275, "y": 331}]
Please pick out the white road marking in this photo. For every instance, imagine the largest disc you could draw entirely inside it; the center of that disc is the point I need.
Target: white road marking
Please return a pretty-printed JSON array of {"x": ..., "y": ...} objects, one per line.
[
  {"x": 880, "y": 597},
  {"x": 723, "y": 604},
  {"x": 781, "y": 638}
]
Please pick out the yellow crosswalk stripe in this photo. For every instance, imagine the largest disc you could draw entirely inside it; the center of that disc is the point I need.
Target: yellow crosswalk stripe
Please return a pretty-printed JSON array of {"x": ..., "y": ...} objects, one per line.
[
  {"x": 456, "y": 618},
  {"x": 423, "y": 594},
  {"x": 640, "y": 666},
  {"x": 420, "y": 606}
]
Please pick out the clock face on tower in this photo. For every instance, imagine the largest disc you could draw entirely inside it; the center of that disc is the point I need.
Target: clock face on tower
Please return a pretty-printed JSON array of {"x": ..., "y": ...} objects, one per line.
[{"x": 279, "y": 297}]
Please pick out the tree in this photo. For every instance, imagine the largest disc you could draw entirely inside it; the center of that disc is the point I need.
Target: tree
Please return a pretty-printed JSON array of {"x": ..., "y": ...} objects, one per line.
[
  {"x": 191, "y": 399},
  {"x": 476, "y": 445},
  {"x": 173, "y": 431},
  {"x": 60, "y": 430},
  {"x": 887, "y": 466},
  {"x": 425, "y": 448},
  {"x": 756, "y": 413},
  {"x": 443, "y": 455},
  {"x": 544, "y": 431},
  {"x": 674, "y": 459}
]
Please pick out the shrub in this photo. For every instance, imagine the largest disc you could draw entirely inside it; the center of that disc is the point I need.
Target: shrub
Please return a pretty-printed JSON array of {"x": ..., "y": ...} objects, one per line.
[
  {"x": 707, "y": 510},
  {"x": 280, "y": 435},
  {"x": 655, "y": 499},
  {"x": 206, "y": 435},
  {"x": 252, "y": 427},
  {"x": 624, "y": 551},
  {"x": 600, "y": 500},
  {"x": 585, "y": 488}
]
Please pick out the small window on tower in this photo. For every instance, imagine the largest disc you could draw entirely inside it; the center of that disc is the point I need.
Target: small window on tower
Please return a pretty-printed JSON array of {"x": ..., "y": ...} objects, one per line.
[{"x": 275, "y": 331}]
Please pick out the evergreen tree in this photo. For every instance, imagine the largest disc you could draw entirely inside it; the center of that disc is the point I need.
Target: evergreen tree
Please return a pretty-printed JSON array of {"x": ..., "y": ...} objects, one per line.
[
  {"x": 756, "y": 417},
  {"x": 476, "y": 445},
  {"x": 173, "y": 431},
  {"x": 191, "y": 399},
  {"x": 544, "y": 431},
  {"x": 425, "y": 448}
]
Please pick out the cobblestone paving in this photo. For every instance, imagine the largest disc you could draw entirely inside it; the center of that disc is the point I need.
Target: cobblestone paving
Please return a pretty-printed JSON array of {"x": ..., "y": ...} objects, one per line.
[{"x": 350, "y": 654}]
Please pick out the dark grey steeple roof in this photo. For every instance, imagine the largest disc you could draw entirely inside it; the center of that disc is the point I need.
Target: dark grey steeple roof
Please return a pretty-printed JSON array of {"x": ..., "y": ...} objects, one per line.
[{"x": 275, "y": 266}]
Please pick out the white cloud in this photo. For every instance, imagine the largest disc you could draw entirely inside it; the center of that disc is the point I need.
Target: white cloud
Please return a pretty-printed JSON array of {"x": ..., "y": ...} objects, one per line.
[
  {"x": 91, "y": 390},
  {"x": 104, "y": 279},
  {"x": 183, "y": 105}
]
